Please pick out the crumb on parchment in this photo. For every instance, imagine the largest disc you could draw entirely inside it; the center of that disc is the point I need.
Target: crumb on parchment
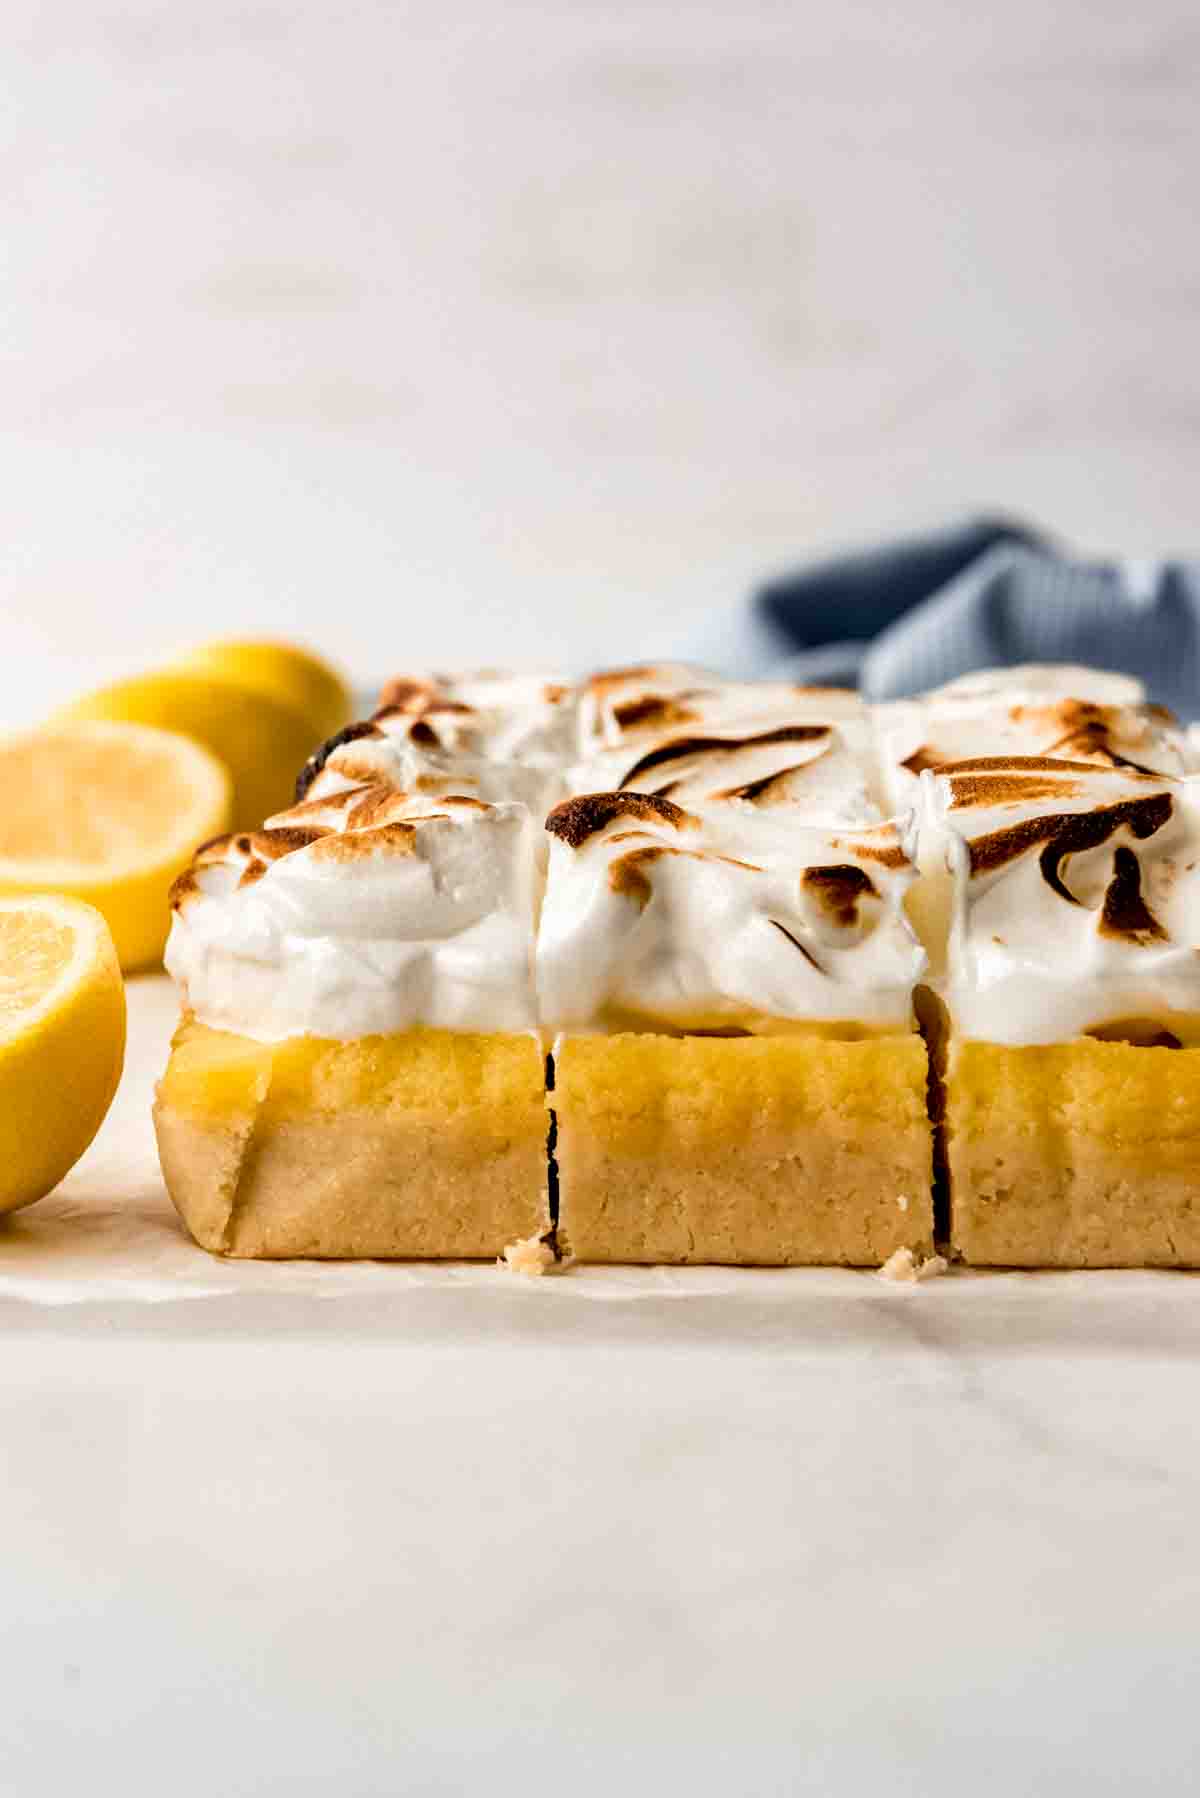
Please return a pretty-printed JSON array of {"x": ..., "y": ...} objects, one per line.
[
  {"x": 904, "y": 1267},
  {"x": 533, "y": 1256}
]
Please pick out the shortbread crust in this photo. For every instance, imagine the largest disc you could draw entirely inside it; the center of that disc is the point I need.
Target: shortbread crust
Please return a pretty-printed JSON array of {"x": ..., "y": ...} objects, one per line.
[
  {"x": 1072, "y": 1155},
  {"x": 1079, "y": 1154},
  {"x": 424, "y": 1145}
]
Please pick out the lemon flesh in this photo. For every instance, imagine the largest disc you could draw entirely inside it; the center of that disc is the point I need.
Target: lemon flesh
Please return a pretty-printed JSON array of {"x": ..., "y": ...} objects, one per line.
[
  {"x": 296, "y": 677},
  {"x": 263, "y": 741},
  {"x": 62, "y": 1039},
  {"x": 109, "y": 814}
]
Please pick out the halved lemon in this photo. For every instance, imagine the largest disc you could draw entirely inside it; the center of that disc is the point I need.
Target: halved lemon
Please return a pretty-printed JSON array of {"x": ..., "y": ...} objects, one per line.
[
  {"x": 62, "y": 1039},
  {"x": 285, "y": 671},
  {"x": 108, "y": 813},
  {"x": 263, "y": 741}
]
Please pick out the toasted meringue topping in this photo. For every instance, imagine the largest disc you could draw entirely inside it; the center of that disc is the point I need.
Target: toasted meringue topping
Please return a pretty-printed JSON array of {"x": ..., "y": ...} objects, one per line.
[
  {"x": 718, "y": 859},
  {"x": 934, "y": 732},
  {"x": 658, "y": 918},
  {"x": 618, "y": 707},
  {"x": 1072, "y": 909},
  {"x": 317, "y": 763},
  {"x": 1104, "y": 686},
  {"x": 760, "y": 745},
  {"x": 1022, "y": 734},
  {"x": 385, "y": 749},
  {"x": 366, "y": 910},
  {"x": 525, "y": 719},
  {"x": 575, "y": 820}
]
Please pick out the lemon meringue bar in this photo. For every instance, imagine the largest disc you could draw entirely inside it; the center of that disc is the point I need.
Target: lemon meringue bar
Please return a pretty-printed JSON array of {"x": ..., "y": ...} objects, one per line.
[
  {"x": 1071, "y": 1013},
  {"x": 358, "y": 1071},
  {"x": 736, "y": 1074},
  {"x": 720, "y": 935}
]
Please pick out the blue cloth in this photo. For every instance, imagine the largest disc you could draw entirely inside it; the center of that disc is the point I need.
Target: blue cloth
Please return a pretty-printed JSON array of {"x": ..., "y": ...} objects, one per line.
[{"x": 987, "y": 593}]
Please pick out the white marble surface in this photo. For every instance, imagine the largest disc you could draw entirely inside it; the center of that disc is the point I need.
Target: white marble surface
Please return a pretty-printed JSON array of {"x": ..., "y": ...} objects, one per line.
[
  {"x": 371, "y": 1530},
  {"x": 537, "y": 329}
]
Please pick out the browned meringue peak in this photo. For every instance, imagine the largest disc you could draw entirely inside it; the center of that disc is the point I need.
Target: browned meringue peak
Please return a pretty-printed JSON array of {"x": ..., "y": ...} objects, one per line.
[
  {"x": 682, "y": 734},
  {"x": 483, "y": 689},
  {"x": 588, "y": 814},
  {"x": 621, "y": 704},
  {"x": 523, "y": 718},
  {"x": 816, "y": 768},
  {"x": 379, "y": 801},
  {"x": 364, "y": 730},
  {"x": 384, "y": 749},
  {"x": 883, "y": 844},
  {"x": 1003, "y": 809},
  {"x": 935, "y": 732},
  {"x": 373, "y": 803},
  {"x": 355, "y": 824}
]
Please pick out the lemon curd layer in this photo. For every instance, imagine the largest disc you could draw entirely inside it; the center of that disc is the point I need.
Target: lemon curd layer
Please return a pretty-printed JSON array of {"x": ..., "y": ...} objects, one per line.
[{"x": 437, "y": 1074}]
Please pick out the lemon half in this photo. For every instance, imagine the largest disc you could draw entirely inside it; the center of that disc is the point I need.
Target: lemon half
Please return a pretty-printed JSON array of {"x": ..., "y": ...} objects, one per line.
[
  {"x": 296, "y": 677},
  {"x": 62, "y": 1039},
  {"x": 262, "y": 740},
  {"x": 108, "y": 813}
]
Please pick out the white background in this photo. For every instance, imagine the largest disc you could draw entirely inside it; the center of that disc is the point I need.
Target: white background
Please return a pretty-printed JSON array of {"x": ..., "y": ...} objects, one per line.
[{"x": 535, "y": 331}]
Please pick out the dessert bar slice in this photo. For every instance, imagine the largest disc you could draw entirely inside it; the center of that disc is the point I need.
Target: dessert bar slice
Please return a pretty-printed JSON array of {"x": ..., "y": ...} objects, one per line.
[
  {"x": 737, "y": 1077},
  {"x": 415, "y": 1144},
  {"x": 1071, "y": 1014},
  {"x": 358, "y": 1071}
]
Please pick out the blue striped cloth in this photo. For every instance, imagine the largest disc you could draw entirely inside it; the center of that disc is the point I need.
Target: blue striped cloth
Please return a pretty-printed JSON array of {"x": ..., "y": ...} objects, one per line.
[{"x": 911, "y": 614}]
